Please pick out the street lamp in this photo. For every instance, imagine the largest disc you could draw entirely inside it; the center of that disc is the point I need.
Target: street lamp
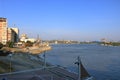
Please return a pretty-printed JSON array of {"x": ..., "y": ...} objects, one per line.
[
  {"x": 10, "y": 62},
  {"x": 44, "y": 60}
]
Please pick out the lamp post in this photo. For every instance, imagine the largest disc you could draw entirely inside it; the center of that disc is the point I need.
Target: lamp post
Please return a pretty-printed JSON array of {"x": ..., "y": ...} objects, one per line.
[
  {"x": 10, "y": 62},
  {"x": 44, "y": 55}
]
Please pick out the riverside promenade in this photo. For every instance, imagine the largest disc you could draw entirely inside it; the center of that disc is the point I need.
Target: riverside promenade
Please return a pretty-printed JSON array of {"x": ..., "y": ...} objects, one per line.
[
  {"x": 48, "y": 73},
  {"x": 25, "y": 66}
]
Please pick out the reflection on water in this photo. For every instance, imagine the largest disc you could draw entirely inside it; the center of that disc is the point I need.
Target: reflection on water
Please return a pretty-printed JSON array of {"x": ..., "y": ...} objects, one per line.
[{"x": 103, "y": 62}]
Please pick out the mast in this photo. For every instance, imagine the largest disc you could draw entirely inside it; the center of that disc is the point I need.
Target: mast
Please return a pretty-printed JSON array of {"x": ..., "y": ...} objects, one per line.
[
  {"x": 38, "y": 39},
  {"x": 82, "y": 72},
  {"x": 78, "y": 63},
  {"x": 79, "y": 68}
]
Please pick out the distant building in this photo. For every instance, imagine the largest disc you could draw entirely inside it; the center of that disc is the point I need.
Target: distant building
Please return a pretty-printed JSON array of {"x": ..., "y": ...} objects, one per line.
[
  {"x": 24, "y": 38},
  {"x": 19, "y": 44},
  {"x": 8, "y": 34},
  {"x": 104, "y": 40},
  {"x": 31, "y": 40}
]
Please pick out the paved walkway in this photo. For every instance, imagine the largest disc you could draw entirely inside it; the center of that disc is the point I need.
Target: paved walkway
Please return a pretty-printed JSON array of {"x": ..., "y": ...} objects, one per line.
[{"x": 51, "y": 73}]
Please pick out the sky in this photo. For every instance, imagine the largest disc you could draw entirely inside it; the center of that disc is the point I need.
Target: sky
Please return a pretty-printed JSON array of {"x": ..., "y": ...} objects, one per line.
[{"x": 82, "y": 20}]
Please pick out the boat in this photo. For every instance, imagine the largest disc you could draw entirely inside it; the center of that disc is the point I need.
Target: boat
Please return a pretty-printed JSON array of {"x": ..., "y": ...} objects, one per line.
[{"x": 82, "y": 72}]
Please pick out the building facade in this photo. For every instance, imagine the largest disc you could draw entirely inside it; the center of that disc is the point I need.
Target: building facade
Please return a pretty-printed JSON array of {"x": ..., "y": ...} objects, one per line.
[
  {"x": 8, "y": 34},
  {"x": 24, "y": 38},
  {"x": 16, "y": 35},
  {"x": 3, "y": 30}
]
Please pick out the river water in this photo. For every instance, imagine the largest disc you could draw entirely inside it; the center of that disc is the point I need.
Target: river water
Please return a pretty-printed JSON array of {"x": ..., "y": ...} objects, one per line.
[{"x": 102, "y": 62}]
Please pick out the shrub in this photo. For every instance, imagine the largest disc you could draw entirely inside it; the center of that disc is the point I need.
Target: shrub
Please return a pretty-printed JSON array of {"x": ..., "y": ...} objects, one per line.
[
  {"x": 1, "y": 45},
  {"x": 9, "y": 44}
]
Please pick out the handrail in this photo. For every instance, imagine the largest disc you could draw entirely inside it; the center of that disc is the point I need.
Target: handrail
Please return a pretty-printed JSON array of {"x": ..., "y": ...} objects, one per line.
[{"x": 17, "y": 72}]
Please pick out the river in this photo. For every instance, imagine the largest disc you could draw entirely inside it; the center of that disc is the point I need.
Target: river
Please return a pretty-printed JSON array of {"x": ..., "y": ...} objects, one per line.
[{"x": 102, "y": 62}]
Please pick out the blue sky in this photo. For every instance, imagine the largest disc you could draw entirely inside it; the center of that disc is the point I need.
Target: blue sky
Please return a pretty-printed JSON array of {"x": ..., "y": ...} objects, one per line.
[{"x": 64, "y": 19}]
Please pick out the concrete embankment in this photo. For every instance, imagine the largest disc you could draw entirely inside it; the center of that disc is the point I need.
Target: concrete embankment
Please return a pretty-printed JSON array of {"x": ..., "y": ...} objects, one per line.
[
  {"x": 32, "y": 50},
  {"x": 37, "y": 50}
]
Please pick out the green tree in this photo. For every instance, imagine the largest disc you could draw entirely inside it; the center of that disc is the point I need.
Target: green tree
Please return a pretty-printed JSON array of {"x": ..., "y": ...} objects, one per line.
[
  {"x": 28, "y": 44},
  {"x": 1, "y": 45},
  {"x": 9, "y": 44}
]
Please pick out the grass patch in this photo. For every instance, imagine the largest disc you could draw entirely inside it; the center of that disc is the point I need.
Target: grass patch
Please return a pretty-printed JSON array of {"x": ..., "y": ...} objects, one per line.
[{"x": 4, "y": 67}]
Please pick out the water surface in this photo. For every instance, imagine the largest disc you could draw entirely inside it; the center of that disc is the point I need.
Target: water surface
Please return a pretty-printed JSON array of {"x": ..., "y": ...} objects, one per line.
[{"x": 102, "y": 62}]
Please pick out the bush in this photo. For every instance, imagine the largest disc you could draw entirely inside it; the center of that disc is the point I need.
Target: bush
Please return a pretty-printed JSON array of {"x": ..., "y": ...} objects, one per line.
[
  {"x": 9, "y": 44},
  {"x": 28, "y": 44},
  {"x": 1, "y": 45}
]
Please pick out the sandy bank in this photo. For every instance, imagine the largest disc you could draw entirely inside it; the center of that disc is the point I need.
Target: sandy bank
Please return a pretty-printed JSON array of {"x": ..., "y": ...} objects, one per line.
[{"x": 32, "y": 50}]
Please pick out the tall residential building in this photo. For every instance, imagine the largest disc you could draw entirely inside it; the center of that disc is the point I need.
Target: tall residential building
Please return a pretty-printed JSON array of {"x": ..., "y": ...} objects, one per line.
[
  {"x": 8, "y": 34},
  {"x": 12, "y": 35},
  {"x": 3, "y": 30},
  {"x": 16, "y": 30}
]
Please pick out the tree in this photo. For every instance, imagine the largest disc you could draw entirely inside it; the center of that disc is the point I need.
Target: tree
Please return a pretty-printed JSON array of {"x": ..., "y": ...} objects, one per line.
[
  {"x": 1, "y": 45},
  {"x": 28, "y": 44},
  {"x": 9, "y": 44}
]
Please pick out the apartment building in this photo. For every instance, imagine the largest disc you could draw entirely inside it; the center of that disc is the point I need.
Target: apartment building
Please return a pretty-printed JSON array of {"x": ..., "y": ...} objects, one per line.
[
  {"x": 16, "y": 34},
  {"x": 12, "y": 35},
  {"x": 8, "y": 34},
  {"x": 3, "y": 30}
]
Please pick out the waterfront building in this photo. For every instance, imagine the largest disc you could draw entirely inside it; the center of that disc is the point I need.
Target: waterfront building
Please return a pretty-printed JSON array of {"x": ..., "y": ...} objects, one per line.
[
  {"x": 24, "y": 38},
  {"x": 105, "y": 40},
  {"x": 16, "y": 30},
  {"x": 3, "y": 30},
  {"x": 31, "y": 40},
  {"x": 19, "y": 44},
  {"x": 12, "y": 35},
  {"x": 8, "y": 34}
]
